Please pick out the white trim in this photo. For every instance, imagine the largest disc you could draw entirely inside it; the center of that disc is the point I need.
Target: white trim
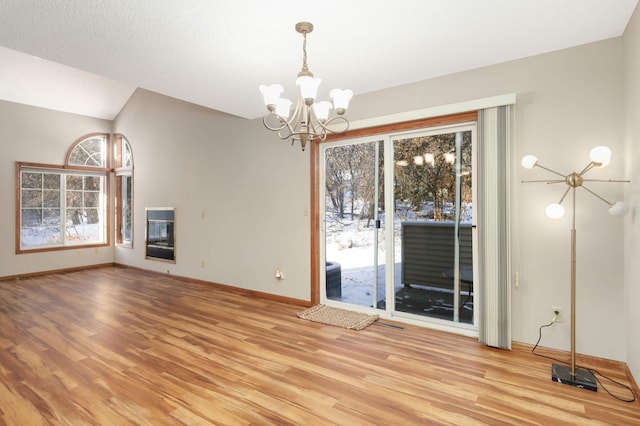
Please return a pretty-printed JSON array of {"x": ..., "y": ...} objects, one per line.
[{"x": 472, "y": 105}]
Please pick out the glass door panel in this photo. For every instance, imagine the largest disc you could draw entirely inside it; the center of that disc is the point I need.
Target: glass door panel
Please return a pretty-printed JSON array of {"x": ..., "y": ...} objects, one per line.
[
  {"x": 433, "y": 211},
  {"x": 353, "y": 224}
]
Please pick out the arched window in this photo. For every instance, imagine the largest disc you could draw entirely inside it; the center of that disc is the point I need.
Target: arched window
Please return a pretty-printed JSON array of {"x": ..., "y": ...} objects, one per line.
[
  {"x": 89, "y": 151},
  {"x": 124, "y": 191},
  {"x": 62, "y": 207}
]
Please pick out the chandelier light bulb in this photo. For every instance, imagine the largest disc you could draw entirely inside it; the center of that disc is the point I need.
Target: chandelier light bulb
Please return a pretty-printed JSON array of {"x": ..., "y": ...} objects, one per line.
[
  {"x": 308, "y": 87},
  {"x": 554, "y": 211},
  {"x": 283, "y": 107},
  {"x": 271, "y": 93},
  {"x": 529, "y": 161},
  {"x": 618, "y": 209},
  {"x": 341, "y": 99},
  {"x": 322, "y": 110},
  {"x": 601, "y": 155},
  {"x": 418, "y": 160}
]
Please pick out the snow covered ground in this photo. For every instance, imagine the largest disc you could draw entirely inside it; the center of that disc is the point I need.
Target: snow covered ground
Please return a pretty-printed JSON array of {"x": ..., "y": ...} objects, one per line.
[{"x": 351, "y": 244}]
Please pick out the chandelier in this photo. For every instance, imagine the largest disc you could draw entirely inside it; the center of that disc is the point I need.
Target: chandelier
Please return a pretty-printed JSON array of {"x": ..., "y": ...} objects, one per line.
[{"x": 310, "y": 119}]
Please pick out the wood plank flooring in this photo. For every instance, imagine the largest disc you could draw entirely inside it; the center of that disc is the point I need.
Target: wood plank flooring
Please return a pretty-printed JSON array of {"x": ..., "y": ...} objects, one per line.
[{"x": 117, "y": 346}]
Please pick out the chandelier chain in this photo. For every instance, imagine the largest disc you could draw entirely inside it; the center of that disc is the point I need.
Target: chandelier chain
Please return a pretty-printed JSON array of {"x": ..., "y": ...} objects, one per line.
[{"x": 304, "y": 52}]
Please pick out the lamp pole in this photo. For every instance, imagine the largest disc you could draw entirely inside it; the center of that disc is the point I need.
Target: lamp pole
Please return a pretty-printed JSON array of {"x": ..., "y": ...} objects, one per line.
[{"x": 573, "y": 285}]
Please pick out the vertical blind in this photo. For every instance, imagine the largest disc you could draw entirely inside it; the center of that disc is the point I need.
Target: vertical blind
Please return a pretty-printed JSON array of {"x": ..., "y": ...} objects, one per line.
[{"x": 494, "y": 322}]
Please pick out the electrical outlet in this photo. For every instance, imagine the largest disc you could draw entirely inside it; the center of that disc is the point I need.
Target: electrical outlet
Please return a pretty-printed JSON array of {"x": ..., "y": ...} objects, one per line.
[{"x": 557, "y": 311}]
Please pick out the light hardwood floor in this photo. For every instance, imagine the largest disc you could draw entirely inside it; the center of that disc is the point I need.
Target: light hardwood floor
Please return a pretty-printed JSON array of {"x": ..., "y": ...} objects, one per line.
[{"x": 115, "y": 346}]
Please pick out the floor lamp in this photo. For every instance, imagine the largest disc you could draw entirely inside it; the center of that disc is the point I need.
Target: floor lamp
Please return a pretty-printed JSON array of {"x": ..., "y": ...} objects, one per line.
[{"x": 600, "y": 157}]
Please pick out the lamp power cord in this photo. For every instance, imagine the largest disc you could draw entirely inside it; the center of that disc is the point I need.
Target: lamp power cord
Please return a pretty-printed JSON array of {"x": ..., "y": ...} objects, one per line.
[{"x": 593, "y": 371}]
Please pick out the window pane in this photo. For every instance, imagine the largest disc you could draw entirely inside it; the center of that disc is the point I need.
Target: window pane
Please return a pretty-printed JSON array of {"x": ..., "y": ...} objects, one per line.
[
  {"x": 39, "y": 209},
  {"x": 31, "y": 218},
  {"x": 40, "y": 227},
  {"x": 83, "y": 226},
  {"x": 31, "y": 198},
  {"x": 92, "y": 183},
  {"x": 51, "y": 217},
  {"x": 74, "y": 182},
  {"x": 91, "y": 199},
  {"x": 74, "y": 199},
  {"x": 89, "y": 152},
  {"x": 51, "y": 198},
  {"x": 127, "y": 158},
  {"x": 51, "y": 181},
  {"x": 92, "y": 216},
  {"x": 31, "y": 180},
  {"x": 84, "y": 210},
  {"x": 434, "y": 245},
  {"x": 126, "y": 200}
]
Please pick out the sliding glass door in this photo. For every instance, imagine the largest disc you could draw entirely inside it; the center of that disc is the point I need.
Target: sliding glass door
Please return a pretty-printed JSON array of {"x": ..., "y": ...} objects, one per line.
[
  {"x": 352, "y": 217},
  {"x": 398, "y": 224},
  {"x": 433, "y": 206}
]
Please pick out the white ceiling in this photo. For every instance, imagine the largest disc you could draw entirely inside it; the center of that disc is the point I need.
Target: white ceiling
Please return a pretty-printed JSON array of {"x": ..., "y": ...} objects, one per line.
[{"x": 88, "y": 56}]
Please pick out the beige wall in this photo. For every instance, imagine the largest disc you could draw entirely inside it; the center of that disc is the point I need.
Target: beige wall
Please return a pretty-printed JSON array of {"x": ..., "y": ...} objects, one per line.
[
  {"x": 254, "y": 189},
  {"x": 632, "y": 163},
  {"x": 38, "y": 135},
  {"x": 567, "y": 102}
]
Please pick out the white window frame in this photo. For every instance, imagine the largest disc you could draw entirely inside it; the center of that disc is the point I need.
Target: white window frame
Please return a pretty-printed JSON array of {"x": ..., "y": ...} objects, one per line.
[{"x": 66, "y": 240}]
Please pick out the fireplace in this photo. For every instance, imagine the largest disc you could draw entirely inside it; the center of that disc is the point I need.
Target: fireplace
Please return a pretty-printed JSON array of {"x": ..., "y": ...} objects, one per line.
[{"x": 160, "y": 234}]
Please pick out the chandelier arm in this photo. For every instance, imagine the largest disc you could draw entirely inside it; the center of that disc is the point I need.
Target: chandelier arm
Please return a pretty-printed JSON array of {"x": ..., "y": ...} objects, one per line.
[
  {"x": 309, "y": 124},
  {"x": 274, "y": 129},
  {"x": 336, "y": 119},
  {"x": 286, "y": 125},
  {"x": 299, "y": 117},
  {"x": 565, "y": 194},
  {"x": 549, "y": 170},
  {"x": 285, "y": 136},
  {"x": 597, "y": 196},
  {"x": 298, "y": 112},
  {"x": 588, "y": 167},
  {"x": 547, "y": 181},
  {"x": 607, "y": 180}
]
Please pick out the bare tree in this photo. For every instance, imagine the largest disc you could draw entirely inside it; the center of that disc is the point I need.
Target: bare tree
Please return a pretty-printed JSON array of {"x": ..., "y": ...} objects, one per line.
[{"x": 423, "y": 174}]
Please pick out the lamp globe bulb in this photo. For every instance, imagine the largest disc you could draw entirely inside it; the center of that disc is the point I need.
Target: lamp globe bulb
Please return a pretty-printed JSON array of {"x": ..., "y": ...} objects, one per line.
[
  {"x": 554, "y": 211},
  {"x": 601, "y": 155},
  {"x": 618, "y": 209},
  {"x": 529, "y": 161}
]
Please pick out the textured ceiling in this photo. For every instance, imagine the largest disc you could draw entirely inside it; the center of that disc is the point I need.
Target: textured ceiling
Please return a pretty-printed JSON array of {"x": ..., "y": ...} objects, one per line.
[{"x": 87, "y": 56}]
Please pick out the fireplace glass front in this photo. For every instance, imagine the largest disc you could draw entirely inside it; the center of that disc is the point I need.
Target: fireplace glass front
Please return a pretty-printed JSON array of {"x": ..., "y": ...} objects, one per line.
[{"x": 160, "y": 234}]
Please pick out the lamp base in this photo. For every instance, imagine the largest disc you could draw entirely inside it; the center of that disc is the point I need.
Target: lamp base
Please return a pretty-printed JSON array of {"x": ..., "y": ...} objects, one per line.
[{"x": 584, "y": 379}]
